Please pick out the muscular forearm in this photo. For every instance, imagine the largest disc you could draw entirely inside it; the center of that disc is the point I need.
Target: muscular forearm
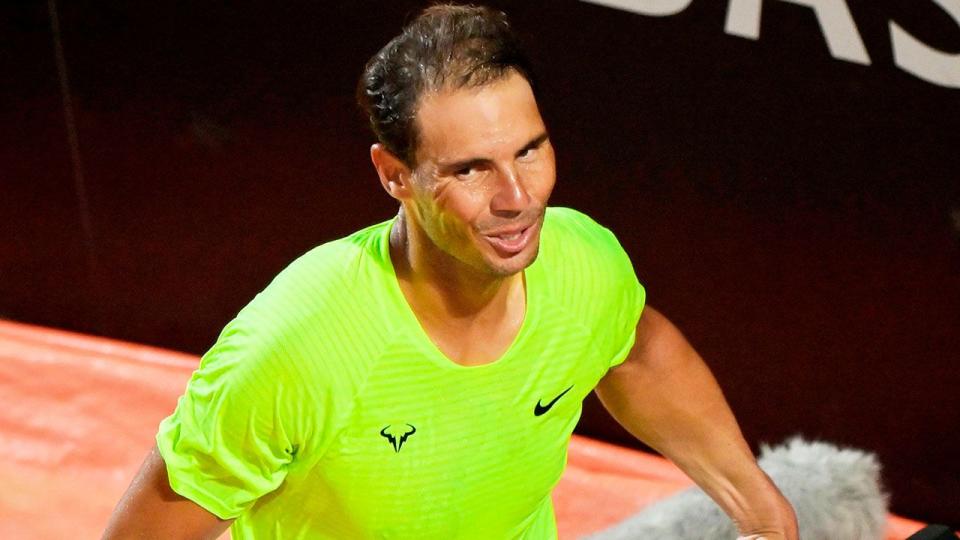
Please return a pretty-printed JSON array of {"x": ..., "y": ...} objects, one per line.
[
  {"x": 751, "y": 500},
  {"x": 666, "y": 396}
]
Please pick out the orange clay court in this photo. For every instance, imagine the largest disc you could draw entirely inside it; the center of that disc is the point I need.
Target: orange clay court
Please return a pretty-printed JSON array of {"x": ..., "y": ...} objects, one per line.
[{"x": 80, "y": 413}]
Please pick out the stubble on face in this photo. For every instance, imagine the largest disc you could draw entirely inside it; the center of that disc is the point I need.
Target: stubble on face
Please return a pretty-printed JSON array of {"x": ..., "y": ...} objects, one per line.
[
  {"x": 497, "y": 130},
  {"x": 462, "y": 241}
]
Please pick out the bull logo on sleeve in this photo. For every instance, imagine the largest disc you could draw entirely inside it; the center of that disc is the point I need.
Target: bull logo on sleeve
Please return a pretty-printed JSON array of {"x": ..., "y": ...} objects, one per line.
[{"x": 397, "y": 435}]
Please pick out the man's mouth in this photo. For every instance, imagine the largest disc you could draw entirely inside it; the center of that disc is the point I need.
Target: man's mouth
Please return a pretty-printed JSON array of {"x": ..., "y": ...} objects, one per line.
[{"x": 508, "y": 242}]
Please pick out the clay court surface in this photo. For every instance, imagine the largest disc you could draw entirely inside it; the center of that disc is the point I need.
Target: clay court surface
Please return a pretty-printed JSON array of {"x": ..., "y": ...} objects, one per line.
[
  {"x": 80, "y": 413},
  {"x": 796, "y": 215}
]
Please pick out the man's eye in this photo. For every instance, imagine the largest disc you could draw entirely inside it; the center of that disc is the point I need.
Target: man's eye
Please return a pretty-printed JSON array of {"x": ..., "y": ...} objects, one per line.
[
  {"x": 527, "y": 154},
  {"x": 466, "y": 172}
]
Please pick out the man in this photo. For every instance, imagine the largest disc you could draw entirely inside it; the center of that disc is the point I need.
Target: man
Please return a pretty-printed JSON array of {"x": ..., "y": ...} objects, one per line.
[{"x": 421, "y": 378}]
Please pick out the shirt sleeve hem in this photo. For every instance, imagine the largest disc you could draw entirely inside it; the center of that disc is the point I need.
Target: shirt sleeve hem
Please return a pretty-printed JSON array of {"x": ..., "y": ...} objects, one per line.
[
  {"x": 621, "y": 355},
  {"x": 188, "y": 490}
]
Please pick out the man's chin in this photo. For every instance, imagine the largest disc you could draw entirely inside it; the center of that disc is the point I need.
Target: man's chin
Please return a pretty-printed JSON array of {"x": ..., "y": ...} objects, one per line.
[{"x": 505, "y": 267}]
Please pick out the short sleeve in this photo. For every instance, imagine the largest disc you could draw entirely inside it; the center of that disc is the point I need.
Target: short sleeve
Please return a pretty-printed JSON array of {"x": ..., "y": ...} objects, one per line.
[
  {"x": 594, "y": 280},
  {"x": 629, "y": 299},
  {"x": 237, "y": 427}
]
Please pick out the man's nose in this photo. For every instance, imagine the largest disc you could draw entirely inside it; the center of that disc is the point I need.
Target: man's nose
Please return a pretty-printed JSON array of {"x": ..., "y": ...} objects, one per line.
[{"x": 511, "y": 196}]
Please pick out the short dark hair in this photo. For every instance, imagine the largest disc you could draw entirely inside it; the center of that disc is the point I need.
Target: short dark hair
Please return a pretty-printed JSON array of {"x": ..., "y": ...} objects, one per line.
[{"x": 446, "y": 46}]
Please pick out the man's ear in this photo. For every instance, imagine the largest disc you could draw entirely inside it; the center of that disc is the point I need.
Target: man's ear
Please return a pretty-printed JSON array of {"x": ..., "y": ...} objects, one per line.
[{"x": 394, "y": 174}]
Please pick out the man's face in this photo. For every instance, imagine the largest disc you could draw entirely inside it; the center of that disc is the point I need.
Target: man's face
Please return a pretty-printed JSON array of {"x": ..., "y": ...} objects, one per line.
[{"x": 485, "y": 169}]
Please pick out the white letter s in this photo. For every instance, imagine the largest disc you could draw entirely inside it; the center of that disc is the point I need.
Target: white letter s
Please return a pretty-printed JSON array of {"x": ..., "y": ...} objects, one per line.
[
  {"x": 836, "y": 23},
  {"x": 921, "y": 60}
]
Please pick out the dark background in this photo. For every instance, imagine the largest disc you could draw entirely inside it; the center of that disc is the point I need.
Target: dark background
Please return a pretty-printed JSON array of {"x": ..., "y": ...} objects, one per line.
[{"x": 797, "y": 216}]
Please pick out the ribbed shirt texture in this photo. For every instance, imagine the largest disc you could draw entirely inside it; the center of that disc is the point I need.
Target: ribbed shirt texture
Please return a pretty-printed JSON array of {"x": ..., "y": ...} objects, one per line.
[{"x": 324, "y": 411}]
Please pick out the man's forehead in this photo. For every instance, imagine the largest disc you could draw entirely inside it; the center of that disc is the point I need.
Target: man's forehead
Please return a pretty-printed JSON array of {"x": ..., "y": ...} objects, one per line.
[{"x": 472, "y": 119}]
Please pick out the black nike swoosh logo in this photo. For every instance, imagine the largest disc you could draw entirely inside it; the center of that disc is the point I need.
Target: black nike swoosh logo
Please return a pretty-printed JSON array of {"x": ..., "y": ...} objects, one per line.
[{"x": 541, "y": 409}]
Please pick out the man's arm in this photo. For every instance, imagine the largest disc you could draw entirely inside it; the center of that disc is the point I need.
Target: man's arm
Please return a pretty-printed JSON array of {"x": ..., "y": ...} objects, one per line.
[
  {"x": 666, "y": 396},
  {"x": 151, "y": 510}
]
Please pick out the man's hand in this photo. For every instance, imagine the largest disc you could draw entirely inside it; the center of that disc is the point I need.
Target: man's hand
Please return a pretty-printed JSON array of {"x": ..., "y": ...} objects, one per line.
[{"x": 666, "y": 396}]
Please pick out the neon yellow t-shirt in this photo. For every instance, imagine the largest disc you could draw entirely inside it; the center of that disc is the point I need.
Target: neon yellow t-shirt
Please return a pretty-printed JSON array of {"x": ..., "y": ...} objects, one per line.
[{"x": 324, "y": 411}]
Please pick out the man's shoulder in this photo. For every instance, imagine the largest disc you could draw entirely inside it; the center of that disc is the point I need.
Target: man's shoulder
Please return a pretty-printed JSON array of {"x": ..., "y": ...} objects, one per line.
[
  {"x": 590, "y": 276},
  {"x": 343, "y": 254},
  {"x": 566, "y": 216},
  {"x": 579, "y": 253},
  {"x": 330, "y": 282},
  {"x": 328, "y": 268},
  {"x": 566, "y": 231},
  {"x": 311, "y": 311}
]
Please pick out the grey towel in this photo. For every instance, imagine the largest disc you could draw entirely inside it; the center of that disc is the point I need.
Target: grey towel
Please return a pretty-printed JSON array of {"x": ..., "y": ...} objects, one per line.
[{"x": 836, "y": 493}]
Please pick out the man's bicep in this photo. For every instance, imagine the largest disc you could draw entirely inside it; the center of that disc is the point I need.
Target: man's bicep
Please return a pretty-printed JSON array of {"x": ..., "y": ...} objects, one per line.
[
  {"x": 151, "y": 509},
  {"x": 662, "y": 388},
  {"x": 655, "y": 339}
]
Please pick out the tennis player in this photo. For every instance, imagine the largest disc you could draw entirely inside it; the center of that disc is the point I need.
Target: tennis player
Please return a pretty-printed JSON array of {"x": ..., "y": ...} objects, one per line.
[{"x": 420, "y": 378}]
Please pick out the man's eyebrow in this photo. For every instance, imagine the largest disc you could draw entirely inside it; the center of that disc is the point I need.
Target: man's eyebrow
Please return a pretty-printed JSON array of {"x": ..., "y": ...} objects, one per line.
[
  {"x": 534, "y": 142},
  {"x": 463, "y": 164},
  {"x": 474, "y": 162}
]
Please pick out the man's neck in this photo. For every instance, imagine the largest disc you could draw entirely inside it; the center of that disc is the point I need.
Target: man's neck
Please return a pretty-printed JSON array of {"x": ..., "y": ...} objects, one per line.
[{"x": 438, "y": 285}]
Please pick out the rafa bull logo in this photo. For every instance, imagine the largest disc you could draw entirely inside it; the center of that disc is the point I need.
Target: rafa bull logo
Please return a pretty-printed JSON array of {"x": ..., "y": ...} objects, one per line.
[{"x": 397, "y": 435}]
